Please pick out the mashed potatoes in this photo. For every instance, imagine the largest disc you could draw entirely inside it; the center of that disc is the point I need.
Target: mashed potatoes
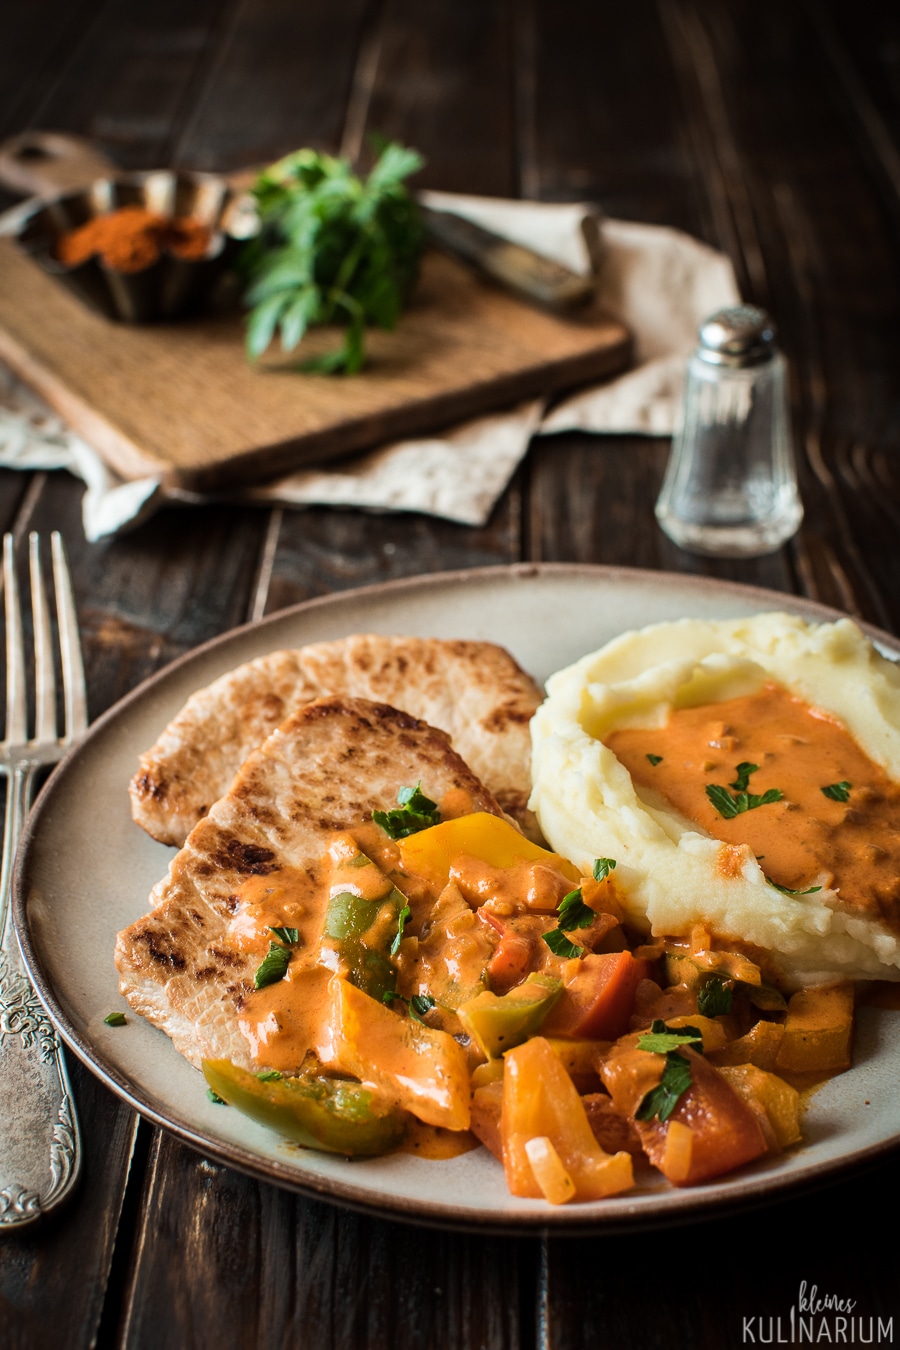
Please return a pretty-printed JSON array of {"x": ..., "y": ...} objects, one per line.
[{"x": 669, "y": 870}]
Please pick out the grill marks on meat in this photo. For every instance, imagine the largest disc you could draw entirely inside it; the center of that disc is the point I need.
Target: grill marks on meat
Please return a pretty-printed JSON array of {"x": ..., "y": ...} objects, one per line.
[
  {"x": 328, "y": 767},
  {"x": 474, "y": 691}
]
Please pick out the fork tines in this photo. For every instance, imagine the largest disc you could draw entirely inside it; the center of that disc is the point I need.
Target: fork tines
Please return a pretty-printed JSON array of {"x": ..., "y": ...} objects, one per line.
[{"x": 46, "y": 734}]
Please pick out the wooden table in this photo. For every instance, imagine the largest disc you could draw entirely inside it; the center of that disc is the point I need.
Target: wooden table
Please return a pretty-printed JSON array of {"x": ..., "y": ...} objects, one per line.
[{"x": 771, "y": 131}]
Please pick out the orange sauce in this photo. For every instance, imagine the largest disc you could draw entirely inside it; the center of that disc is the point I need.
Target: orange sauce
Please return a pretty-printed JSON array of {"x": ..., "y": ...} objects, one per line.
[
  {"x": 436, "y": 1143},
  {"x": 280, "y": 1020},
  {"x": 805, "y": 838}
]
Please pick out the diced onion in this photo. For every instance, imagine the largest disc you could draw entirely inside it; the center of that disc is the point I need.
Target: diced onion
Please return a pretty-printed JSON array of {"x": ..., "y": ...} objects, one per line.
[
  {"x": 549, "y": 1172},
  {"x": 676, "y": 1163}
]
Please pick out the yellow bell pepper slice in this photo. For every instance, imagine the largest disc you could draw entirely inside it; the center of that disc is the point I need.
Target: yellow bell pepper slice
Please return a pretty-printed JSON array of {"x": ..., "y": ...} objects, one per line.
[
  {"x": 818, "y": 1032},
  {"x": 431, "y": 852}
]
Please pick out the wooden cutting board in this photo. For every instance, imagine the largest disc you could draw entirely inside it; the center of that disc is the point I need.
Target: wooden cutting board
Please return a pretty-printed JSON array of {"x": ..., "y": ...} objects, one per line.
[{"x": 180, "y": 399}]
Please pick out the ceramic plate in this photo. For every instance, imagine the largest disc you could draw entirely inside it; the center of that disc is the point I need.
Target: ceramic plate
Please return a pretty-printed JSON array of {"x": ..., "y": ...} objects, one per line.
[{"x": 85, "y": 872}]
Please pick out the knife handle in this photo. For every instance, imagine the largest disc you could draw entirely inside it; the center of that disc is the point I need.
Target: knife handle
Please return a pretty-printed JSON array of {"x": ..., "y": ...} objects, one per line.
[{"x": 517, "y": 268}]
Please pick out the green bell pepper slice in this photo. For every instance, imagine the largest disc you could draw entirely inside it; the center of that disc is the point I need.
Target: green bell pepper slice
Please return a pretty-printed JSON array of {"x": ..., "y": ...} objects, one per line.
[
  {"x": 361, "y": 929},
  {"x": 328, "y": 1114},
  {"x": 498, "y": 1022}
]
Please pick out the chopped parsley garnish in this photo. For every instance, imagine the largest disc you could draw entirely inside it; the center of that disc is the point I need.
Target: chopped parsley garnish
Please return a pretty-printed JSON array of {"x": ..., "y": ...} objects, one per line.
[
  {"x": 560, "y": 945},
  {"x": 731, "y": 804},
  {"x": 715, "y": 998},
  {"x": 415, "y": 812},
  {"x": 655, "y": 759},
  {"x": 574, "y": 913},
  {"x": 787, "y": 890},
  {"x": 402, "y": 919},
  {"x": 274, "y": 966},
  {"x": 417, "y": 1006},
  {"x": 116, "y": 1019},
  {"x": 837, "y": 792},
  {"x": 289, "y": 936},
  {"x": 269, "y": 1076},
  {"x": 660, "y": 1039},
  {"x": 215, "y": 1098},
  {"x": 743, "y": 771},
  {"x": 603, "y": 867},
  {"x": 662, "y": 1100}
]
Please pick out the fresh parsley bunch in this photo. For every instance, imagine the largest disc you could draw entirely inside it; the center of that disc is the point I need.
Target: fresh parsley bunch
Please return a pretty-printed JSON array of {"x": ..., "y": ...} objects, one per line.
[{"x": 333, "y": 248}]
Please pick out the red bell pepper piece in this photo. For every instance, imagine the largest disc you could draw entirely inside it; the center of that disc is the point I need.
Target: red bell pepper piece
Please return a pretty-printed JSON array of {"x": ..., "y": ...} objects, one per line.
[{"x": 597, "y": 1002}]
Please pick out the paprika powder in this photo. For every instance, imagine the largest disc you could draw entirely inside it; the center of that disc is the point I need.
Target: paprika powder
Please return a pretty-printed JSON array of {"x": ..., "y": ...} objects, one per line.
[{"x": 132, "y": 238}]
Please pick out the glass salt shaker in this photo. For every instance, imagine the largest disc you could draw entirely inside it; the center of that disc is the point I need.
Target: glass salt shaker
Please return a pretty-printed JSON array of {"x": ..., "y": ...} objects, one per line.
[{"x": 730, "y": 487}]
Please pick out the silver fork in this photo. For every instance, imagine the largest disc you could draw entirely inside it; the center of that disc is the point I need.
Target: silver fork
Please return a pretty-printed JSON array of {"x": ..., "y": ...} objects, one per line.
[{"x": 40, "y": 1145}]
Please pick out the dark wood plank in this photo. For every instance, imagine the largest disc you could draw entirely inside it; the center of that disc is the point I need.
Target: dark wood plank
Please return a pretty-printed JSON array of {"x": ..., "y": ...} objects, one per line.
[
  {"x": 37, "y": 40},
  {"x": 791, "y": 191},
  {"x": 126, "y": 81},
  {"x": 443, "y": 80},
  {"x": 321, "y": 551},
  {"x": 603, "y": 121},
  {"x": 281, "y": 81},
  {"x": 279, "y": 1269},
  {"x": 746, "y": 1264}
]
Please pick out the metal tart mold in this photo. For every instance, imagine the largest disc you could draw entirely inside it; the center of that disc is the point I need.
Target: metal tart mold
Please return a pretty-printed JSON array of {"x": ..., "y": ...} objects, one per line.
[{"x": 170, "y": 285}]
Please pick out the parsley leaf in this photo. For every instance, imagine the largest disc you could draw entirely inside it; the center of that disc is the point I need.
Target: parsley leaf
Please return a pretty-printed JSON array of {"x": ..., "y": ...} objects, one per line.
[
  {"x": 115, "y": 1019},
  {"x": 402, "y": 919},
  {"x": 332, "y": 249},
  {"x": 655, "y": 759},
  {"x": 730, "y": 804},
  {"x": 417, "y": 1006},
  {"x": 269, "y": 1076},
  {"x": 662, "y": 1100},
  {"x": 274, "y": 966},
  {"x": 574, "y": 913},
  {"x": 560, "y": 945},
  {"x": 838, "y": 792},
  {"x": 289, "y": 936},
  {"x": 715, "y": 998},
  {"x": 743, "y": 771},
  {"x": 660, "y": 1039},
  {"x": 786, "y": 890},
  {"x": 215, "y": 1098},
  {"x": 603, "y": 867},
  {"x": 414, "y": 812}
]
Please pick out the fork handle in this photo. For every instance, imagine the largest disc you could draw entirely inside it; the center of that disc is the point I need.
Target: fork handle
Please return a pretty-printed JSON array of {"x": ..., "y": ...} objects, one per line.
[{"x": 40, "y": 1144}]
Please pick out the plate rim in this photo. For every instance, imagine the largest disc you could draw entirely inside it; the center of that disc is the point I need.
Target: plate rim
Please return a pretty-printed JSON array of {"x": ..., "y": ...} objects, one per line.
[{"x": 679, "y": 1205}]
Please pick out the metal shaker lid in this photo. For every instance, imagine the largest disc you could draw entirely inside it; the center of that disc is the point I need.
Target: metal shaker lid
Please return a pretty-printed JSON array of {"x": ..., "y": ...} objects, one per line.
[{"x": 739, "y": 335}]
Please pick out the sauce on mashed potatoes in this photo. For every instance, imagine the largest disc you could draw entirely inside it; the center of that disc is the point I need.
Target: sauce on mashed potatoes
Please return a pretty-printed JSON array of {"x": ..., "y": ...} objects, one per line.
[
  {"x": 833, "y": 815},
  {"x": 760, "y": 687}
]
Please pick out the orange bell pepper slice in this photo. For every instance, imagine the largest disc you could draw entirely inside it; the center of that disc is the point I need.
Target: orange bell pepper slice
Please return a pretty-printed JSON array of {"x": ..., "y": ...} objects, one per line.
[{"x": 541, "y": 1101}]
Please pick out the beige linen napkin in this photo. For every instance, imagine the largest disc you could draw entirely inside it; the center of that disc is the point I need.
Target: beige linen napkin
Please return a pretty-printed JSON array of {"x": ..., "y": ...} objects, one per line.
[{"x": 659, "y": 282}]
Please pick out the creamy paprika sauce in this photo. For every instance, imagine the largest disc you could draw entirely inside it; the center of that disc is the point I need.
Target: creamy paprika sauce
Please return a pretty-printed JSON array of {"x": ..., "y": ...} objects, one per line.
[{"x": 836, "y": 820}]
